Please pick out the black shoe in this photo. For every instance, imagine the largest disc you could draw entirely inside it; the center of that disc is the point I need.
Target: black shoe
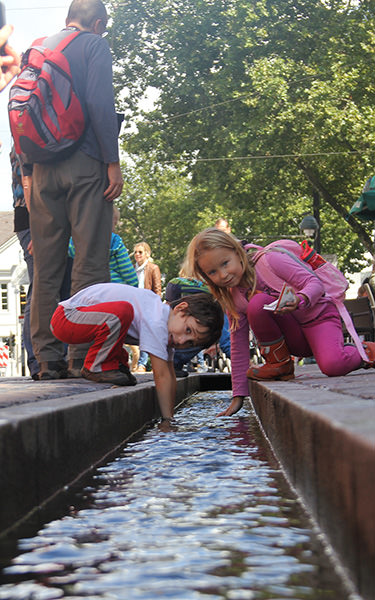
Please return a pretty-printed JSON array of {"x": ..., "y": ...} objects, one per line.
[
  {"x": 74, "y": 368},
  {"x": 125, "y": 369},
  {"x": 181, "y": 373},
  {"x": 53, "y": 369},
  {"x": 114, "y": 377}
]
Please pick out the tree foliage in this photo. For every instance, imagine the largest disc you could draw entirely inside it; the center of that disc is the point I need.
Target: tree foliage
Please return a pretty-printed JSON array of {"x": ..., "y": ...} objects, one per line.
[{"x": 260, "y": 103}]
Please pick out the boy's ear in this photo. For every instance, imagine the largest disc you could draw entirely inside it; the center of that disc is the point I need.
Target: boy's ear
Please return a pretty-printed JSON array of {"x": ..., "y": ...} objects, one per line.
[{"x": 180, "y": 307}]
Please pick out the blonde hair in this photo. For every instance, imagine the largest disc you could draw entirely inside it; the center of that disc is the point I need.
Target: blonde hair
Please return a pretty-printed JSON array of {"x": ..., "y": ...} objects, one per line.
[
  {"x": 144, "y": 246},
  {"x": 210, "y": 239}
]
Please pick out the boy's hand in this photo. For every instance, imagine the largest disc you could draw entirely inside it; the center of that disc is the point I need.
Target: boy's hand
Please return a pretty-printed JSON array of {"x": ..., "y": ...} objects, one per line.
[
  {"x": 234, "y": 407},
  {"x": 165, "y": 383}
]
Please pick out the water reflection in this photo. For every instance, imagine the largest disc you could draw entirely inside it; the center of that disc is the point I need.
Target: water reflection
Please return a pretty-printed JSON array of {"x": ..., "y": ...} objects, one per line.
[{"x": 200, "y": 513}]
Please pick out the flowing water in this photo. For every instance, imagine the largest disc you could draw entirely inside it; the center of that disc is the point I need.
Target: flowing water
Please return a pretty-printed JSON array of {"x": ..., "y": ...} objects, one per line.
[{"x": 201, "y": 513}]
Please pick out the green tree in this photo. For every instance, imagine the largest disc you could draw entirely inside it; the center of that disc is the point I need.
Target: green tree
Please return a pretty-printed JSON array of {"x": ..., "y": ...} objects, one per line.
[
  {"x": 158, "y": 205},
  {"x": 290, "y": 82}
]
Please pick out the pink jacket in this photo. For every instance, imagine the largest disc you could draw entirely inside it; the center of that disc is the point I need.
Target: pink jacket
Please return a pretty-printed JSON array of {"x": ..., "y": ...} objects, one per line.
[{"x": 301, "y": 280}]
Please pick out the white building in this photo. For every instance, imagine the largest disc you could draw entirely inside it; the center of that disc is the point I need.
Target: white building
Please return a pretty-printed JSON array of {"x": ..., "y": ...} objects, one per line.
[{"x": 13, "y": 288}]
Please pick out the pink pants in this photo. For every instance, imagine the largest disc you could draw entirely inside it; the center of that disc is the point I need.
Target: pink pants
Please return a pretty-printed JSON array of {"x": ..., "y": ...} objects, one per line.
[
  {"x": 322, "y": 338},
  {"x": 105, "y": 325}
]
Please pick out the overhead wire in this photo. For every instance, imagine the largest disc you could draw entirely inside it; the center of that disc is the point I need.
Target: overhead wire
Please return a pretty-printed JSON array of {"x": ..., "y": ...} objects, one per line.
[{"x": 264, "y": 156}]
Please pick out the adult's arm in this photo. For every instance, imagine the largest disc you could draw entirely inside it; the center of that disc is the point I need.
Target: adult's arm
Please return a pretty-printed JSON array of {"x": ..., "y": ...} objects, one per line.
[{"x": 101, "y": 110}]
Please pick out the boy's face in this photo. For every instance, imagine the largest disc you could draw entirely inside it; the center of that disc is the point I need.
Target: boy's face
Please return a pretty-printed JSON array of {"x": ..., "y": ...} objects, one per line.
[{"x": 184, "y": 331}]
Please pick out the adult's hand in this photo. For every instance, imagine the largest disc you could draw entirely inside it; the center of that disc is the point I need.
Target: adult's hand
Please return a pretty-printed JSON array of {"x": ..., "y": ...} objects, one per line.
[
  {"x": 116, "y": 182},
  {"x": 10, "y": 61}
]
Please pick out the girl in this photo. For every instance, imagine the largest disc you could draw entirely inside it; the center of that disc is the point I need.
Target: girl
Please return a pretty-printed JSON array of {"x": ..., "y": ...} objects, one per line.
[{"x": 310, "y": 325}]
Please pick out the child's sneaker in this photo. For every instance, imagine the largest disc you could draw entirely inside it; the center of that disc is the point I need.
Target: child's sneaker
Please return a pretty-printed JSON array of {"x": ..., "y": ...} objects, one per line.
[
  {"x": 115, "y": 377},
  {"x": 125, "y": 369}
]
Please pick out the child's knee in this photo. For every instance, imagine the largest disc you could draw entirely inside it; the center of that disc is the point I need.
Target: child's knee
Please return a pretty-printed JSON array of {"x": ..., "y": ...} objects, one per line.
[
  {"x": 332, "y": 366},
  {"x": 256, "y": 303}
]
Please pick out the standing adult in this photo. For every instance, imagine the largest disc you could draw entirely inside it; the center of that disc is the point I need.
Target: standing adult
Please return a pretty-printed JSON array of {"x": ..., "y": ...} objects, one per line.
[
  {"x": 21, "y": 203},
  {"x": 148, "y": 272},
  {"x": 74, "y": 196},
  {"x": 149, "y": 277},
  {"x": 22, "y": 230}
]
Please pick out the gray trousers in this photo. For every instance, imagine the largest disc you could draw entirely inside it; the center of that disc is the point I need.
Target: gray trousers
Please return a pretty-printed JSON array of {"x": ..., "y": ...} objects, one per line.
[{"x": 67, "y": 199}]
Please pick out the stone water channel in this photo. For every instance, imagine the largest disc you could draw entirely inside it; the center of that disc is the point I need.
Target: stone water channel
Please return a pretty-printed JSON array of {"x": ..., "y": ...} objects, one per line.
[{"x": 201, "y": 513}]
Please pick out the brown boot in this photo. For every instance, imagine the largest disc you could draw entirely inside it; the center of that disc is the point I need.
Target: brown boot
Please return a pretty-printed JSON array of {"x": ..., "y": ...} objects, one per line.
[
  {"x": 279, "y": 364},
  {"x": 114, "y": 377},
  {"x": 369, "y": 348}
]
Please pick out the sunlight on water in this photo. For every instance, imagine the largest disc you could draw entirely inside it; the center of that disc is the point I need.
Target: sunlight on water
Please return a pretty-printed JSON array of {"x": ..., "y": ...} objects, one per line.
[{"x": 199, "y": 513}]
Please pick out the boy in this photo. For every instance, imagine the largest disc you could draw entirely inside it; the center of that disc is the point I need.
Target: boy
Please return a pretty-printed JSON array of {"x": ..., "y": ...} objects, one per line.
[{"x": 106, "y": 312}]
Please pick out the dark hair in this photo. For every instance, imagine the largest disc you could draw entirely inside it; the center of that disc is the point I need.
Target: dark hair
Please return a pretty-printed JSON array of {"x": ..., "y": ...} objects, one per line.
[
  {"x": 86, "y": 12},
  {"x": 207, "y": 311}
]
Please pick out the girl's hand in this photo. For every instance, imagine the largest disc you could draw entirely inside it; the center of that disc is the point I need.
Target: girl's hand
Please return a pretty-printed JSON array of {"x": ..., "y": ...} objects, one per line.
[
  {"x": 289, "y": 306},
  {"x": 234, "y": 407}
]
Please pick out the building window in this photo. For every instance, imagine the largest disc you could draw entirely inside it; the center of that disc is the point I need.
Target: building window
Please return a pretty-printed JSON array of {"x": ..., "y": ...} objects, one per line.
[
  {"x": 4, "y": 296},
  {"x": 23, "y": 297}
]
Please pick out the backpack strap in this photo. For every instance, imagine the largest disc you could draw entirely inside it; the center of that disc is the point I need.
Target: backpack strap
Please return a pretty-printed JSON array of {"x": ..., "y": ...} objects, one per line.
[
  {"x": 67, "y": 40},
  {"x": 267, "y": 273},
  {"x": 344, "y": 314},
  {"x": 61, "y": 45}
]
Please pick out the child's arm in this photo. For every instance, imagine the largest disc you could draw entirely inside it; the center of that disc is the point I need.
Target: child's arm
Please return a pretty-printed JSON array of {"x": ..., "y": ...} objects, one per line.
[
  {"x": 235, "y": 406},
  {"x": 165, "y": 383}
]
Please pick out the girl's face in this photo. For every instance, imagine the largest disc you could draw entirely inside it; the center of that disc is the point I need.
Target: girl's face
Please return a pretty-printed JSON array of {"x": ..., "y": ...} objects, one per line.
[{"x": 222, "y": 266}]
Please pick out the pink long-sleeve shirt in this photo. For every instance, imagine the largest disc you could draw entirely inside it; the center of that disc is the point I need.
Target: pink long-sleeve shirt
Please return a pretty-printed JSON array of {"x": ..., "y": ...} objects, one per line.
[{"x": 302, "y": 280}]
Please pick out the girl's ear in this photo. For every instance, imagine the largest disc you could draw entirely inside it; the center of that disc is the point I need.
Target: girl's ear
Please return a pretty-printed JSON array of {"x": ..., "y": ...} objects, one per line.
[{"x": 180, "y": 307}]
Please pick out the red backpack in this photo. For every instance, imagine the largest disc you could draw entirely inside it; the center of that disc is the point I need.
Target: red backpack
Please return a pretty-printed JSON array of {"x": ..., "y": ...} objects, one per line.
[{"x": 46, "y": 118}]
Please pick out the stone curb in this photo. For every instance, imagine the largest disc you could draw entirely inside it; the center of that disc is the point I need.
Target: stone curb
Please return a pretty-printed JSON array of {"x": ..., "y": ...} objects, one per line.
[{"x": 322, "y": 431}]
